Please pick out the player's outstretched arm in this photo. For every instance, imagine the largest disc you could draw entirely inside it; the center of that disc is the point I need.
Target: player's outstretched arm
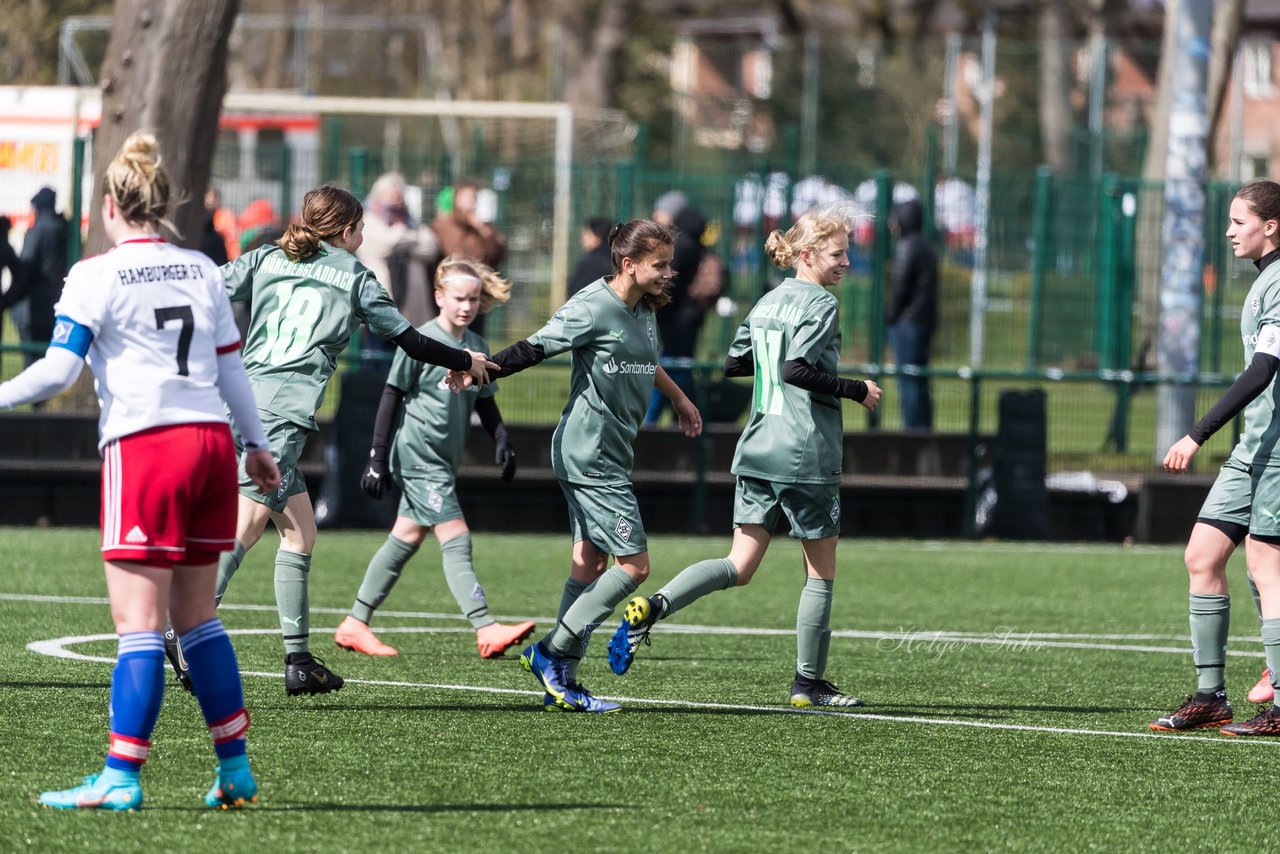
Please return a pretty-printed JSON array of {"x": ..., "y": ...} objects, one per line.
[{"x": 50, "y": 376}]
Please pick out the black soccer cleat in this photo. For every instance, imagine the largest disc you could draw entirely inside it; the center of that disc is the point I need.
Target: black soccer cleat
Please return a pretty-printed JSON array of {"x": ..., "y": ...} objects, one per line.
[
  {"x": 1198, "y": 711},
  {"x": 306, "y": 674},
  {"x": 1265, "y": 723},
  {"x": 808, "y": 693},
  {"x": 173, "y": 649}
]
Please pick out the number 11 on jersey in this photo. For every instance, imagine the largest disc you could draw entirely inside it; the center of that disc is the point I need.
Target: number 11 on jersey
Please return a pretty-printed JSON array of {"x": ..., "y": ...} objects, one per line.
[{"x": 768, "y": 346}]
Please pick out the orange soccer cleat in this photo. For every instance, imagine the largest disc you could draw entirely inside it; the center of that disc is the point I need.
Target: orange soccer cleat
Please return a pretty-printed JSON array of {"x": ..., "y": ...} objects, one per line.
[
  {"x": 356, "y": 636},
  {"x": 496, "y": 638},
  {"x": 1262, "y": 692}
]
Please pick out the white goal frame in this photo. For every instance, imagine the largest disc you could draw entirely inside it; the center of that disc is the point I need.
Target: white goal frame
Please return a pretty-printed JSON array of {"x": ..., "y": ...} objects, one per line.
[{"x": 561, "y": 114}]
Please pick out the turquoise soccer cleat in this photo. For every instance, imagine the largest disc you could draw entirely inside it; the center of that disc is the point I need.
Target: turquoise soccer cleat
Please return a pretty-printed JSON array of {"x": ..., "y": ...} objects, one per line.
[
  {"x": 110, "y": 790},
  {"x": 234, "y": 787}
]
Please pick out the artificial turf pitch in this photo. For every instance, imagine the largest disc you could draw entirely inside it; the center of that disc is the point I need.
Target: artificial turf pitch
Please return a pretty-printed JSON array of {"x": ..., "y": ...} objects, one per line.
[{"x": 1023, "y": 727}]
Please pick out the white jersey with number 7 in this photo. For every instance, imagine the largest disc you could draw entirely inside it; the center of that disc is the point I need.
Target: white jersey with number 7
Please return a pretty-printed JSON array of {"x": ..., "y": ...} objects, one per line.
[{"x": 151, "y": 319}]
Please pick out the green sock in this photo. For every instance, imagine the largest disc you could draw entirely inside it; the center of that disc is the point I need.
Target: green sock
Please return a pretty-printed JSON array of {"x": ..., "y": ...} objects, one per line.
[
  {"x": 1257, "y": 597},
  {"x": 591, "y": 608},
  {"x": 813, "y": 619},
  {"x": 228, "y": 563},
  {"x": 291, "y": 599},
  {"x": 463, "y": 584},
  {"x": 572, "y": 590},
  {"x": 1210, "y": 618},
  {"x": 383, "y": 573},
  {"x": 1271, "y": 643},
  {"x": 696, "y": 581}
]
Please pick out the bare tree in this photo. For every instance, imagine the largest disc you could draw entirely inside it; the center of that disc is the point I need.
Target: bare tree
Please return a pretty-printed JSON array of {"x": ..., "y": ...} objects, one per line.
[
  {"x": 1056, "y": 81},
  {"x": 593, "y": 49},
  {"x": 165, "y": 71}
]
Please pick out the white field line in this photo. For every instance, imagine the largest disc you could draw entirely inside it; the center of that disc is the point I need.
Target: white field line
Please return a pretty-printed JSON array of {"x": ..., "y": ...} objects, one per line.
[
  {"x": 57, "y": 648},
  {"x": 909, "y": 638}
]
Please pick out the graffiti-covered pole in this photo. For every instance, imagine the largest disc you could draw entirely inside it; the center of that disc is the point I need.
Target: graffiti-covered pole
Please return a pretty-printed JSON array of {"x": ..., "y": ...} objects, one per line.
[{"x": 1182, "y": 270}]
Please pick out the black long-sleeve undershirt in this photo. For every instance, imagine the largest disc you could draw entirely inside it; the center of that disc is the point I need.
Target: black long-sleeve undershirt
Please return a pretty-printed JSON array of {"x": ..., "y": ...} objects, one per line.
[
  {"x": 801, "y": 374},
  {"x": 1243, "y": 391},
  {"x": 384, "y": 423},
  {"x": 517, "y": 357},
  {"x": 423, "y": 349},
  {"x": 491, "y": 419}
]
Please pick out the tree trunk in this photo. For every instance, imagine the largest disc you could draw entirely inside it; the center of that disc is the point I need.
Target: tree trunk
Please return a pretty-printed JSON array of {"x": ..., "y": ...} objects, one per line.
[
  {"x": 1056, "y": 121},
  {"x": 595, "y": 82},
  {"x": 165, "y": 71},
  {"x": 1228, "y": 18}
]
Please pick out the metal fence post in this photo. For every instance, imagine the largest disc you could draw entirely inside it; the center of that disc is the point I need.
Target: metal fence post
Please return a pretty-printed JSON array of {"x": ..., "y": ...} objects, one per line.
[
  {"x": 879, "y": 273},
  {"x": 75, "y": 239},
  {"x": 968, "y": 523},
  {"x": 359, "y": 171},
  {"x": 286, "y": 183},
  {"x": 626, "y": 188},
  {"x": 1040, "y": 216},
  {"x": 1105, "y": 326}
]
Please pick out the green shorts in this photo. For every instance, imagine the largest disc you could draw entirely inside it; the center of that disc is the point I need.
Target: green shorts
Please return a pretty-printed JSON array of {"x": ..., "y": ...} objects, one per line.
[
  {"x": 1264, "y": 520},
  {"x": 287, "y": 440},
  {"x": 428, "y": 502},
  {"x": 1231, "y": 497},
  {"x": 607, "y": 516},
  {"x": 813, "y": 509}
]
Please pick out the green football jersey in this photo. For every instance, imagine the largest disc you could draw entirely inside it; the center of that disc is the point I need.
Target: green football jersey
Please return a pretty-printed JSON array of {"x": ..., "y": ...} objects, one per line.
[
  {"x": 1260, "y": 331},
  {"x": 792, "y": 435},
  {"x": 302, "y": 318},
  {"x": 615, "y": 358},
  {"x": 435, "y": 421}
]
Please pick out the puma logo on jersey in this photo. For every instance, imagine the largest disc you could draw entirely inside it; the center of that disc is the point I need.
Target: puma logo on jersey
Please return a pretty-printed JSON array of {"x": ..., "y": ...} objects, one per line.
[
  {"x": 135, "y": 536},
  {"x": 614, "y": 335}
]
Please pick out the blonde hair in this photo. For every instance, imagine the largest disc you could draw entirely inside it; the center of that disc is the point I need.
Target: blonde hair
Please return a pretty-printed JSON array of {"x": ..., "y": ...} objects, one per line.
[
  {"x": 326, "y": 213},
  {"x": 494, "y": 290},
  {"x": 809, "y": 233},
  {"x": 136, "y": 182}
]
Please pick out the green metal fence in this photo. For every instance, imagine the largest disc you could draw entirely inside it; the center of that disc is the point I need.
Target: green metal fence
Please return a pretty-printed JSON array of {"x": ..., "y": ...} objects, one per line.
[{"x": 1072, "y": 278}]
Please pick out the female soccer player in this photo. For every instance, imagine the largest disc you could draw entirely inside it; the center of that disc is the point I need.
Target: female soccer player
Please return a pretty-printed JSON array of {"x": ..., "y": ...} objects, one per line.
[
  {"x": 430, "y": 425},
  {"x": 1247, "y": 489},
  {"x": 609, "y": 328},
  {"x": 789, "y": 458},
  {"x": 157, "y": 330},
  {"x": 308, "y": 294}
]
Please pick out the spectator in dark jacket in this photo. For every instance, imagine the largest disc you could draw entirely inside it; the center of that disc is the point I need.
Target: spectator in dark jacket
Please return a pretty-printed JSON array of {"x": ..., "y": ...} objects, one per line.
[
  {"x": 913, "y": 310},
  {"x": 595, "y": 262},
  {"x": 44, "y": 261},
  {"x": 8, "y": 257},
  {"x": 680, "y": 320}
]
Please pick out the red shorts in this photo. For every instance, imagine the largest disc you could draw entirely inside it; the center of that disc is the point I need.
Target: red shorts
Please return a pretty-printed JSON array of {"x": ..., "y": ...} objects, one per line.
[{"x": 169, "y": 495}]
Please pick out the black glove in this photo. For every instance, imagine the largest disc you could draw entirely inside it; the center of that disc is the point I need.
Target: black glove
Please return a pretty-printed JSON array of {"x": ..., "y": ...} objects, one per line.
[
  {"x": 505, "y": 456},
  {"x": 376, "y": 475}
]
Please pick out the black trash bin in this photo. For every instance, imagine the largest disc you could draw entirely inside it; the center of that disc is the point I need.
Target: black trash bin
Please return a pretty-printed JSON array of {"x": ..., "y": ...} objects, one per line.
[{"x": 1022, "y": 500}]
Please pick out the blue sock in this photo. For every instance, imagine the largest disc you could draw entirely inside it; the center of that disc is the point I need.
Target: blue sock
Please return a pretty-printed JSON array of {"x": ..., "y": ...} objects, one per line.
[
  {"x": 137, "y": 688},
  {"x": 215, "y": 678}
]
